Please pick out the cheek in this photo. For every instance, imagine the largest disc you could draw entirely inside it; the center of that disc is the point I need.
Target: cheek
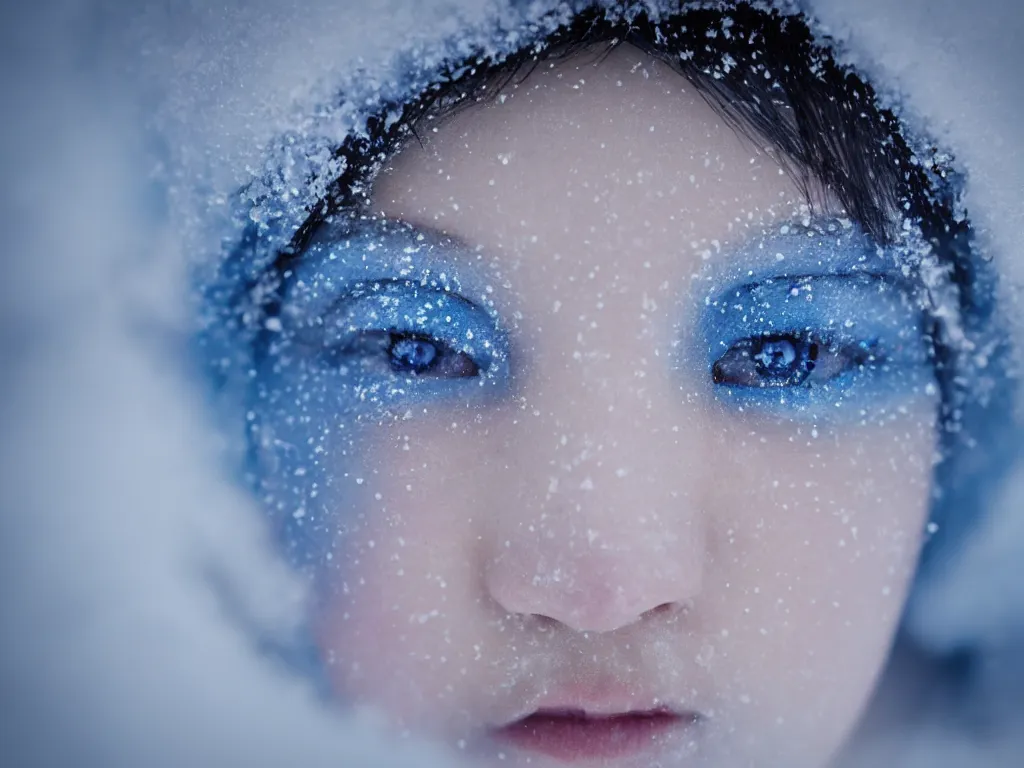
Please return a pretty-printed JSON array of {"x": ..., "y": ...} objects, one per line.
[
  {"x": 817, "y": 540},
  {"x": 840, "y": 496},
  {"x": 401, "y": 621}
]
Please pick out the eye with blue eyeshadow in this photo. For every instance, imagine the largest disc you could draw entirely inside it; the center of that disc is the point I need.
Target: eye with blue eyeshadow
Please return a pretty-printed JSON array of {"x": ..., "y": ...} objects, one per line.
[
  {"x": 790, "y": 360},
  {"x": 384, "y": 310},
  {"x": 808, "y": 345},
  {"x": 419, "y": 355},
  {"x": 394, "y": 339},
  {"x": 401, "y": 354}
]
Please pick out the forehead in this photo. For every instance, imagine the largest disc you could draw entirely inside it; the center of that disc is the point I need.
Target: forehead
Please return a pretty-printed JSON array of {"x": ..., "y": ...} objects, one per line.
[{"x": 607, "y": 158}]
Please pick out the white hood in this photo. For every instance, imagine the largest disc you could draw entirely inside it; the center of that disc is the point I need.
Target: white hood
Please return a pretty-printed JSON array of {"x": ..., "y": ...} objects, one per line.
[{"x": 127, "y": 136}]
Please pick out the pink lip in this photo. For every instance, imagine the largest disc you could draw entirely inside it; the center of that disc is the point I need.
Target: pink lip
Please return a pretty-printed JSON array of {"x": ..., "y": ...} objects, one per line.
[{"x": 574, "y": 734}]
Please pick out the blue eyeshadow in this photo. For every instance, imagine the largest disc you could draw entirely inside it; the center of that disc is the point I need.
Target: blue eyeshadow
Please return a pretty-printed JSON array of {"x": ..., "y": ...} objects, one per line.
[
  {"x": 348, "y": 293},
  {"x": 839, "y": 289},
  {"x": 349, "y": 252},
  {"x": 816, "y": 247}
]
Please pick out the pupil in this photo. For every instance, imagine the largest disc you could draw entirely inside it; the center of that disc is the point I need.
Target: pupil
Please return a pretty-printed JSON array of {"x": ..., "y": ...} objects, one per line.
[
  {"x": 777, "y": 357},
  {"x": 785, "y": 359},
  {"x": 411, "y": 354}
]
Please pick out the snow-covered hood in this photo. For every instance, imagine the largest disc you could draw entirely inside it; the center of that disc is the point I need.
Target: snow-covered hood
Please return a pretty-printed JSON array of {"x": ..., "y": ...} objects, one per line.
[{"x": 139, "y": 572}]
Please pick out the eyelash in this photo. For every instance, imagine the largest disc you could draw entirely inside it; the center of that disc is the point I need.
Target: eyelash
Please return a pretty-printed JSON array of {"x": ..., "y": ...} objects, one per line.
[
  {"x": 405, "y": 353},
  {"x": 784, "y": 360}
]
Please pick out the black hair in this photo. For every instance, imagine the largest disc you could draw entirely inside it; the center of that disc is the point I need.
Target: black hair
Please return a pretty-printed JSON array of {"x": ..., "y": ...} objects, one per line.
[{"x": 760, "y": 70}]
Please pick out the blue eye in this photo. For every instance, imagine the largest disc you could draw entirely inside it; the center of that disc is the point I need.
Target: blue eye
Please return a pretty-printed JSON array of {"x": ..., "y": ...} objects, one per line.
[
  {"x": 415, "y": 354},
  {"x": 390, "y": 342},
  {"x": 789, "y": 360},
  {"x": 403, "y": 354}
]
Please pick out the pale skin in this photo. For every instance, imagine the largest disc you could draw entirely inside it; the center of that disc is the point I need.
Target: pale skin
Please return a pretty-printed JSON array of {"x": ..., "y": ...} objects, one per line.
[{"x": 606, "y": 535}]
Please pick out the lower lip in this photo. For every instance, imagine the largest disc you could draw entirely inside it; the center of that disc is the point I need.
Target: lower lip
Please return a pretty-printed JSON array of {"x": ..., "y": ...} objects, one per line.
[{"x": 571, "y": 736}]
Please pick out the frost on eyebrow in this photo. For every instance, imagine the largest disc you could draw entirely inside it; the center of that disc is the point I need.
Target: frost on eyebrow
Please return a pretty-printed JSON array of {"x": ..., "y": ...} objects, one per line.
[
  {"x": 814, "y": 245},
  {"x": 361, "y": 251}
]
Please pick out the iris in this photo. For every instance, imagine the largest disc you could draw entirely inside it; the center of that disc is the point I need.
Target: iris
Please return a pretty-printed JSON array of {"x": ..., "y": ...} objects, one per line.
[
  {"x": 412, "y": 353},
  {"x": 782, "y": 359},
  {"x": 420, "y": 355}
]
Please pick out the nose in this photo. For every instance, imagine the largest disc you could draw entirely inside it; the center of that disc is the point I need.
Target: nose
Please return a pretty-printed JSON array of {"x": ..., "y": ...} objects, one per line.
[
  {"x": 595, "y": 586},
  {"x": 597, "y": 521}
]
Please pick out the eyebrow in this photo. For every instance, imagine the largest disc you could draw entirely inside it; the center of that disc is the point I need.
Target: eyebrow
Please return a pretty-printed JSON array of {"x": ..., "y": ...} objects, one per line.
[
  {"x": 427, "y": 260},
  {"x": 722, "y": 296},
  {"x": 755, "y": 261}
]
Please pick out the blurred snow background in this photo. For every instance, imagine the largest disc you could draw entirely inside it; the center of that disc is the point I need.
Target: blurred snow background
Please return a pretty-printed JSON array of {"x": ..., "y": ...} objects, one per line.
[{"x": 125, "y": 127}]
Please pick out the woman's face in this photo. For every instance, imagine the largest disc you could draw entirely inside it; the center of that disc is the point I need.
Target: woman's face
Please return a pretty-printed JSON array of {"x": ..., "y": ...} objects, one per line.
[{"x": 609, "y": 451}]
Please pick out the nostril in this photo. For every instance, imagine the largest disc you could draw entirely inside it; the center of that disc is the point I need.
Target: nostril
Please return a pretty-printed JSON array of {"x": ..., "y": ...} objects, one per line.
[
  {"x": 544, "y": 622},
  {"x": 669, "y": 608}
]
